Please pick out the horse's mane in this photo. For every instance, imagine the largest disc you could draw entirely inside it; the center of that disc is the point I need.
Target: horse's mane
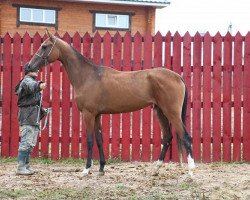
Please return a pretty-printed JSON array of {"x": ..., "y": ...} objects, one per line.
[{"x": 83, "y": 58}]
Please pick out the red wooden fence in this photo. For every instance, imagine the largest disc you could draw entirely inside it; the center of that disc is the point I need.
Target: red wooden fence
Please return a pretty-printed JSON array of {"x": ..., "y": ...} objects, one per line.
[{"x": 216, "y": 70}]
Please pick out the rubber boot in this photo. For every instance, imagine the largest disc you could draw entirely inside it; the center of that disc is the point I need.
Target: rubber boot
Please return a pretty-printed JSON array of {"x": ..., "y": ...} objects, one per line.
[
  {"x": 21, "y": 168},
  {"x": 28, "y": 161}
]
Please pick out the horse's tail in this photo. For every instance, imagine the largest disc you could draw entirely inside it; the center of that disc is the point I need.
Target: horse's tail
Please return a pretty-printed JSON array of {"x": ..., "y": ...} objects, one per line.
[
  {"x": 183, "y": 117},
  {"x": 184, "y": 106}
]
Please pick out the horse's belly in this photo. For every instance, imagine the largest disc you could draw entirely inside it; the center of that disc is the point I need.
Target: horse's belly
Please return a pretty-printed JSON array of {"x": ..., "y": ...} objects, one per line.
[{"x": 123, "y": 106}]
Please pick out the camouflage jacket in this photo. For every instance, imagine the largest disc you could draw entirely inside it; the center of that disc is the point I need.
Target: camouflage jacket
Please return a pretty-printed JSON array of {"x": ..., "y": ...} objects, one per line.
[{"x": 29, "y": 96}]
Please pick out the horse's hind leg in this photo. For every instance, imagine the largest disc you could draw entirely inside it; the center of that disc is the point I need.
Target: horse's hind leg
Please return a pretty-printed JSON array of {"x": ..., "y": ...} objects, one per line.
[
  {"x": 99, "y": 141},
  {"x": 167, "y": 137},
  {"x": 185, "y": 139}
]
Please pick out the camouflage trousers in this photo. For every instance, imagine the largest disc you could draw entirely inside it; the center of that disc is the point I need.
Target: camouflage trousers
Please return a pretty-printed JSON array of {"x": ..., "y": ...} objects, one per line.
[{"x": 29, "y": 136}]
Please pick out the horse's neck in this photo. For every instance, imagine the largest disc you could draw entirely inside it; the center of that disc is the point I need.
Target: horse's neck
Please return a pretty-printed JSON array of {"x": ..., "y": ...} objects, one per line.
[{"x": 77, "y": 73}]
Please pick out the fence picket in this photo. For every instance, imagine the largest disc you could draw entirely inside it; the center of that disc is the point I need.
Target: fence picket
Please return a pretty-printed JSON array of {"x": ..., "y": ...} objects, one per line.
[
  {"x": 246, "y": 100},
  {"x": 106, "y": 118},
  {"x": 146, "y": 113},
  {"x": 36, "y": 45},
  {"x": 127, "y": 51},
  {"x": 65, "y": 144},
  {"x": 217, "y": 97},
  {"x": 176, "y": 66},
  {"x": 45, "y": 135},
  {"x": 136, "y": 116},
  {"x": 16, "y": 66},
  {"x": 75, "y": 112},
  {"x": 6, "y": 103},
  {"x": 117, "y": 49},
  {"x": 206, "y": 133},
  {"x": 227, "y": 94},
  {"x": 237, "y": 94},
  {"x": 156, "y": 126},
  {"x": 96, "y": 60}
]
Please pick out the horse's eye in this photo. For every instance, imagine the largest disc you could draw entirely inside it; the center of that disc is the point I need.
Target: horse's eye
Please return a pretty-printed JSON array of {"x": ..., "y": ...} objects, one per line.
[{"x": 43, "y": 47}]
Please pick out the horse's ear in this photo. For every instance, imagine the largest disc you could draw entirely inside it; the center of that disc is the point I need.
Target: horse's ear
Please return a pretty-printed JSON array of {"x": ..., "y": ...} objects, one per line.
[{"x": 50, "y": 36}]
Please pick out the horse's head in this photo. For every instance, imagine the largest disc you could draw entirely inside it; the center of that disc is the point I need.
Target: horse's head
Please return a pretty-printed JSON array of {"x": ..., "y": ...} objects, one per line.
[{"x": 47, "y": 53}]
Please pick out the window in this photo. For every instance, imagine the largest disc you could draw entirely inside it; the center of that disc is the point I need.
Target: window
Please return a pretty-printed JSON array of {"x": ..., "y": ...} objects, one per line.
[
  {"x": 111, "y": 21},
  {"x": 37, "y": 16}
]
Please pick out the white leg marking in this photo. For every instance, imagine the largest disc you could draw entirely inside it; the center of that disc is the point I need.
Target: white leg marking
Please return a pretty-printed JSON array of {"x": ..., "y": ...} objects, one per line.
[
  {"x": 191, "y": 165},
  {"x": 158, "y": 164},
  {"x": 85, "y": 172}
]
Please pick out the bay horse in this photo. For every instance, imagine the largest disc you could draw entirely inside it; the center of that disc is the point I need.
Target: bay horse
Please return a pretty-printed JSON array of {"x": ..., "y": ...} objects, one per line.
[{"x": 103, "y": 90}]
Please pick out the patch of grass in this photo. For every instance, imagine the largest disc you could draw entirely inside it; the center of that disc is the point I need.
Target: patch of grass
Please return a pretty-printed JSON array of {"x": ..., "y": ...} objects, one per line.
[
  {"x": 61, "y": 194},
  {"x": 12, "y": 193},
  {"x": 8, "y": 160}
]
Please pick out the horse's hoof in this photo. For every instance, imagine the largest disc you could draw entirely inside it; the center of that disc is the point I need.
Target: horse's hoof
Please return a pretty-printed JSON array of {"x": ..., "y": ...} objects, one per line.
[
  {"x": 100, "y": 174},
  {"x": 85, "y": 172},
  {"x": 155, "y": 173}
]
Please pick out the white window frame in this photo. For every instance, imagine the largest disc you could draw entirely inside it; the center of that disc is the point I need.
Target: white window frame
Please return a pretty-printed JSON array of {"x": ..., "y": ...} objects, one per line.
[
  {"x": 117, "y": 20},
  {"x": 32, "y": 15},
  {"x": 107, "y": 26}
]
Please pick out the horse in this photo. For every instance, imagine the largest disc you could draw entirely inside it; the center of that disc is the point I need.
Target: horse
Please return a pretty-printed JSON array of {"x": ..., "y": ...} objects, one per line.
[{"x": 101, "y": 90}]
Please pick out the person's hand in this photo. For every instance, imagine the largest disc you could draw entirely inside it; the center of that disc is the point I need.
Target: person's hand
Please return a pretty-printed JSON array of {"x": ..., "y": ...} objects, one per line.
[{"x": 43, "y": 86}]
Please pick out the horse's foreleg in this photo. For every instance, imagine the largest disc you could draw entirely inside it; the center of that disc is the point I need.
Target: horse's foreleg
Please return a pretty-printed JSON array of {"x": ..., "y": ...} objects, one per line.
[
  {"x": 99, "y": 141},
  {"x": 89, "y": 123}
]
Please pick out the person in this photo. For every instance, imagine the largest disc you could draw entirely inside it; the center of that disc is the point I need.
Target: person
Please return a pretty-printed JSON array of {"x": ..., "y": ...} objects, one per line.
[{"x": 30, "y": 112}]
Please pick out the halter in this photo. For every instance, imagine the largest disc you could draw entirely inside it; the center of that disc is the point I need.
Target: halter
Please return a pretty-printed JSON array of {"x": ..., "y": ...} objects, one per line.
[{"x": 45, "y": 58}]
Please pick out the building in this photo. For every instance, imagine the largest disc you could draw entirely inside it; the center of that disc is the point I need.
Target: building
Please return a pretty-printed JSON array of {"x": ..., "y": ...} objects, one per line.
[{"x": 78, "y": 16}]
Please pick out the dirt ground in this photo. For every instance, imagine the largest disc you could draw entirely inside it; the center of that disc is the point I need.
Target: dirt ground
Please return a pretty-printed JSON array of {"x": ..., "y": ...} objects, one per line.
[{"x": 127, "y": 180}]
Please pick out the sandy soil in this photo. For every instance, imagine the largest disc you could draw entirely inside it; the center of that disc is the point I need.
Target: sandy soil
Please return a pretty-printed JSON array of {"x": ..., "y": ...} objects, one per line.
[{"x": 130, "y": 180}]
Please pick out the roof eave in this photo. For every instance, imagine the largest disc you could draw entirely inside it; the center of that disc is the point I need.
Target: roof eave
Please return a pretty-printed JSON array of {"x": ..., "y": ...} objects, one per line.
[{"x": 128, "y": 3}]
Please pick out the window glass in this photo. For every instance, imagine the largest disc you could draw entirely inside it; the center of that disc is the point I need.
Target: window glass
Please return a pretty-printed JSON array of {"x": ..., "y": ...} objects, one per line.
[
  {"x": 25, "y": 14},
  {"x": 123, "y": 21},
  {"x": 37, "y": 15},
  {"x": 112, "y": 20},
  {"x": 100, "y": 20},
  {"x": 50, "y": 16}
]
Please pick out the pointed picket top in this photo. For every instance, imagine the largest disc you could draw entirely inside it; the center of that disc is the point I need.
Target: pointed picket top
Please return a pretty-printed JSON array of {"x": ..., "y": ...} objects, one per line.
[
  {"x": 228, "y": 37},
  {"x": 67, "y": 38},
  {"x": 86, "y": 40},
  {"x": 127, "y": 36},
  {"x": 117, "y": 37},
  {"x": 7, "y": 36},
  {"x": 247, "y": 38},
  {"x": 187, "y": 35},
  {"x": 187, "y": 38},
  {"x": 97, "y": 36},
  {"x": 168, "y": 37},
  {"x": 217, "y": 37},
  {"x": 107, "y": 36},
  {"x": 197, "y": 36},
  {"x": 26, "y": 36},
  {"x": 177, "y": 34},
  {"x": 77, "y": 41},
  {"x": 238, "y": 35},
  {"x": 138, "y": 37},
  {"x": 207, "y": 37},
  {"x": 158, "y": 37},
  {"x": 158, "y": 34},
  {"x": 16, "y": 37},
  {"x": 37, "y": 35},
  {"x": 36, "y": 41}
]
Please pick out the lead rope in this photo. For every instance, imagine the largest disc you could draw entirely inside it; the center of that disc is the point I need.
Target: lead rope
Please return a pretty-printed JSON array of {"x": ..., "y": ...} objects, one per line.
[{"x": 48, "y": 111}]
